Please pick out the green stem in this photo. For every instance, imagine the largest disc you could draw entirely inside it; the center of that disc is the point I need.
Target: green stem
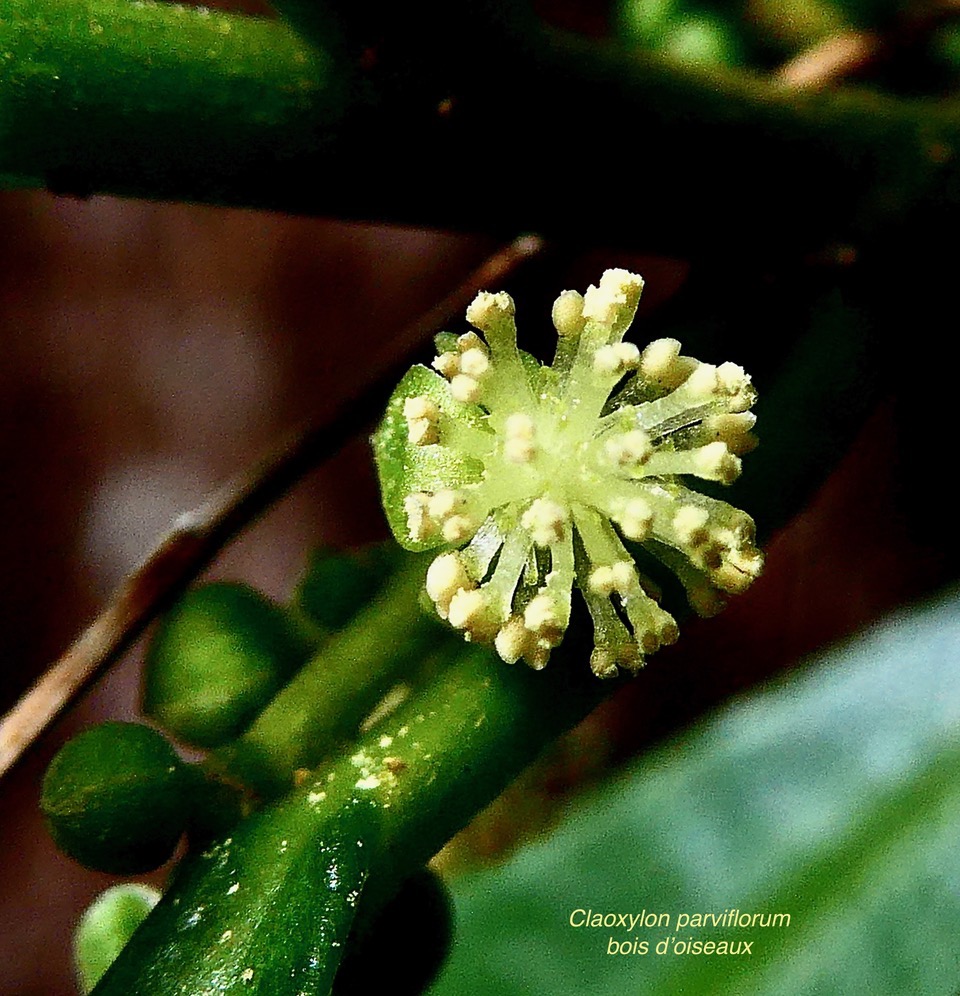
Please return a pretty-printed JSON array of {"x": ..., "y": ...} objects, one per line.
[
  {"x": 327, "y": 700},
  {"x": 158, "y": 101},
  {"x": 409, "y": 785}
]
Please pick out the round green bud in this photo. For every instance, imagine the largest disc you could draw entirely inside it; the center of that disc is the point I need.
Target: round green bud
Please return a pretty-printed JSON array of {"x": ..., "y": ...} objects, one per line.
[
  {"x": 642, "y": 22},
  {"x": 218, "y": 657},
  {"x": 105, "y": 928},
  {"x": 117, "y": 798},
  {"x": 701, "y": 40},
  {"x": 336, "y": 586}
]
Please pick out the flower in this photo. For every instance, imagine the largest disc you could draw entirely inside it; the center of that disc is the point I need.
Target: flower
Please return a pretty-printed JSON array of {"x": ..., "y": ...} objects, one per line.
[{"x": 531, "y": 477}]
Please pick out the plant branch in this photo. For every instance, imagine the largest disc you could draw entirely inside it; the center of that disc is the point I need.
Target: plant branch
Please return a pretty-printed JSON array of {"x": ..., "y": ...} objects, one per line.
[
  {"x": 238, "y": 110},
  {"x": 199, "y": 535}
]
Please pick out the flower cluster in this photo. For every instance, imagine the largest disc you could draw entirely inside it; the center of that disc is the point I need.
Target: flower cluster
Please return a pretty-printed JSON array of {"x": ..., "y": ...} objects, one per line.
[{"x": 531, "y": 477}]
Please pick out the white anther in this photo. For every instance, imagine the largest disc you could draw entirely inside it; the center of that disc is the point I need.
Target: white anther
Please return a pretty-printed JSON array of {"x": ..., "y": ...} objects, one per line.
[
  {"x": 422, "y": 416},
  {"x": 736, "y": 384},
  {"x": 602, "y": 581},
  {"x": 419, "y": 524},
  {"x": 465, "y": 389},
  {"x": 618, "y": 292},
  {"x": 690, "y": 525},
  {"x": 519, "y": 446},
  {"x": 457, "y": 528},
  {"x": 732, "y": 377},
  {"x": 567, "y": 313},
  {"x": 734, "y": 430},
  {"x": 466, "y": 608},
  {"x": 617, "y": 358},
  {"x": 486, "y": 309},
  {"x": 545, "y": 520},
  {"x": 471, "y": 612},
  {"x": 519, "y": 425},
  {"x": 470, "y": 340},
  {"x": 447, "y": 364},
  {"x": 444, "y": 503},
  {"x": 737, "y": 571},
  {"x": 445, "y": 577},
  {"x": 636, "y": 519},
  {"x": 420, "y": 407},
  {"x": 475, "y": 363},
  {"x": 658, "y": 358},
  {"x": 631, "y": 448},
  {"x": 716, "y": 463},
  {"x": 624, "y": 577},
  {"x": 422, "y": 432},
  {"x": 541, "y": 618},
  {"x": 519, "y": 450},
  {"x": 512, "y": 640},
  {"x": 703, "y": 382}
]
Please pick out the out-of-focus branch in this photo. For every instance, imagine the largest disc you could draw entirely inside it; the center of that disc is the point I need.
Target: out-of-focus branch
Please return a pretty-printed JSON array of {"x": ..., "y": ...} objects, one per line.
[
  {"x": 456, "y": 122},
  {"x": 200, "y": 534}
]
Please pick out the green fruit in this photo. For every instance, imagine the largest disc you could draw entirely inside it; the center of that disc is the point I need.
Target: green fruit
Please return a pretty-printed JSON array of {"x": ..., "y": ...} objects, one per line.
[
  {"x": 105, "y": 928},
  {"x": 117, "y": 798},
  {"x": 217, "y": 658}
]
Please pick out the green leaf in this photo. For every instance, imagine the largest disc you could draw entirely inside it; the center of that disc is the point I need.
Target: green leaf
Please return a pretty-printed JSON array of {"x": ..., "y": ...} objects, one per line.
[{"x": 832, "y": 796}]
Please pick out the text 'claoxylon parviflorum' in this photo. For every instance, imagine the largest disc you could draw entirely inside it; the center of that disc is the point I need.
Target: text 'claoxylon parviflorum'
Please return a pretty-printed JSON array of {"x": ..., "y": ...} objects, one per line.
[{"x": 531, "y": 477}]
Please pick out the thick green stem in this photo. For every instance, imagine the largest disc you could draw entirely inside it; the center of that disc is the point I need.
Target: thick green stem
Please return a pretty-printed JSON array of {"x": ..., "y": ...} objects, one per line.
[
  {"x": 329, "y": 697},
  {"x": 410, "y": 784},
  {"x": 156, "y": 98},
  {"x": 157, "y": 101}
]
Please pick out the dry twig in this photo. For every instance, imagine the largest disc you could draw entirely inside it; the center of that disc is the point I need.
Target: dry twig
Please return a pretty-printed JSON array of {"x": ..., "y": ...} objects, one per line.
[{"x": 829, "y": 60}]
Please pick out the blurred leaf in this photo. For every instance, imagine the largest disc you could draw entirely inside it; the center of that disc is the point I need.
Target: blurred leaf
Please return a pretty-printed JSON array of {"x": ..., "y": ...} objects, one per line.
[{"x": 832, "y": 795}]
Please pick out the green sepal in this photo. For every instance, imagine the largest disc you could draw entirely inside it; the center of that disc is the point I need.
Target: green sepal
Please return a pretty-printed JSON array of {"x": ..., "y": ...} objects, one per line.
[
  {"x": 105, "y": 928},
  {"x": 446, "y": 342},
  {"x": 117, "y": 798},
  {"x": 404, "y": 468}
]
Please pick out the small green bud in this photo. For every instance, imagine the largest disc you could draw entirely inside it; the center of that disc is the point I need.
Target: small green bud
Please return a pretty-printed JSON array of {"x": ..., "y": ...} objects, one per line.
[
  {"x": 117, "y": 798},
  {"x": 336, "y": 585},
  {"x": 105, "y": 928},
  {"x": 217, "y": 658},
  {"x": 701, "y": 40},
  {"x": 644, "y": 21}
]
